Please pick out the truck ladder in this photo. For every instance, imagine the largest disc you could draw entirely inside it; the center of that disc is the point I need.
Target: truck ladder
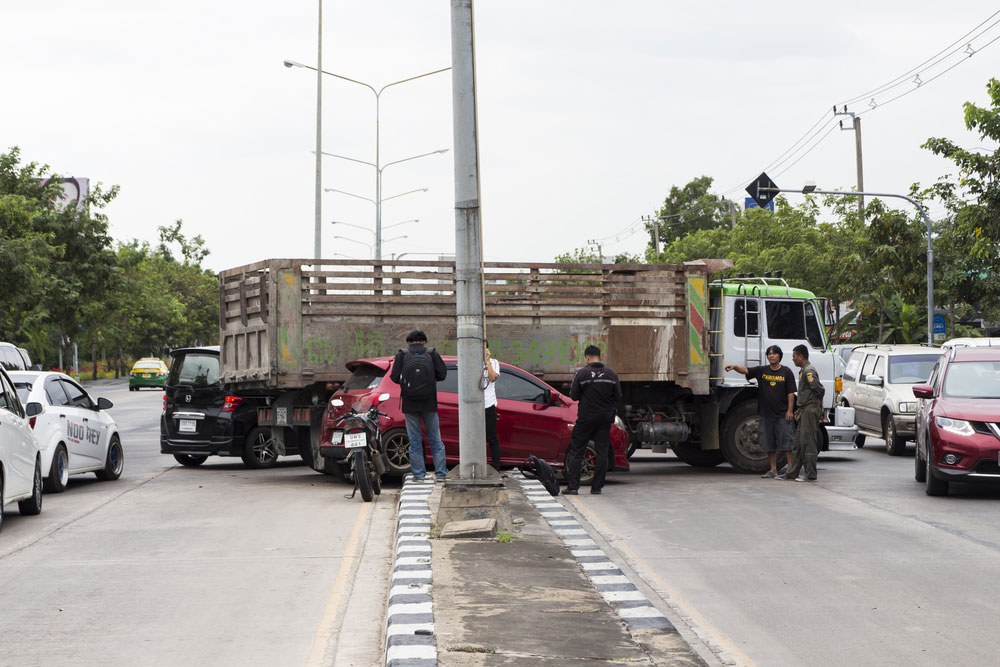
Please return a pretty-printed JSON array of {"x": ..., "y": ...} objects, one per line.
[{"x": 717, "y": 337}]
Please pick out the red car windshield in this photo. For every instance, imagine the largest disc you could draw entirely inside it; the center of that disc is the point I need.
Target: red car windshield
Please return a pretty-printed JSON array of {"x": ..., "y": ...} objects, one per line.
[{"x": 972, "y": 379}]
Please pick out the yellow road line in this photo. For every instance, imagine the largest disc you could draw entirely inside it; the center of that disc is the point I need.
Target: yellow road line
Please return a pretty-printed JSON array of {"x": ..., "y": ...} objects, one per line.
[
  {"x": 682, "y": 603},
  {"x": 347, "y": 562}
]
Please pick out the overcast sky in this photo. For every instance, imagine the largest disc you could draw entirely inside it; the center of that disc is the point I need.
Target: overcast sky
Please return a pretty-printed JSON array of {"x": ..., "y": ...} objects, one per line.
[{"x": 589, "y": 111}]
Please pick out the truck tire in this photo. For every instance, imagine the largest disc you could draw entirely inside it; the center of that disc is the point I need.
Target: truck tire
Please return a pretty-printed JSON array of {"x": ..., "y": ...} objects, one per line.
[
  {"x": 396, "y": 445},
  {"x": 693, "y": 455},
  {"x": 741, "y": 441}
]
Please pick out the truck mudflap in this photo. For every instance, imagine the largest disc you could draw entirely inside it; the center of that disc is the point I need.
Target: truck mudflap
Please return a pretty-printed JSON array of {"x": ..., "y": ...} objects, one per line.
[{"x": 841, "y": 438}]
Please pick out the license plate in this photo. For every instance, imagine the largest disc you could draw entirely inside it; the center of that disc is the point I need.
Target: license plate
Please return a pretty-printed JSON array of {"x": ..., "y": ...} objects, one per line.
[
  {"x": 336, "y": 437},
  {"x": 352, "y": 440},
  {"x": 188, "y": 426},
  {"x": 146, "y": 375}
]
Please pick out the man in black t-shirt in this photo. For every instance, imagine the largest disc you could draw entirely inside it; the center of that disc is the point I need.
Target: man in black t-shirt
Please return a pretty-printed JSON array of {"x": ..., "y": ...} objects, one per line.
[{"x": 775, "y": 405}]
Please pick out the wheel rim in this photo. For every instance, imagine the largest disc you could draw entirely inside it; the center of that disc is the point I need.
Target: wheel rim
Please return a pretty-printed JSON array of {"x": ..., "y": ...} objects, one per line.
[
  {"x": 115, "y": 458},
  {"x": 62, "y": 470},
  {"x": 748, "y": 437},
  {"x": 263, "y": 449},
  {"x": 587, "y": 465},
  {"x": 890, "y": 435},
  {"x": 397, "y": 450}
]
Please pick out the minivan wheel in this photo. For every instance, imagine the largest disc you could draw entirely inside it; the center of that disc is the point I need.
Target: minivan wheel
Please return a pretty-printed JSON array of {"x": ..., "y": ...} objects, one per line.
[
  {"x": 895, "y": 444},
  {"x": 189, "y": 460},
  {"x": 258, "y": 450}
]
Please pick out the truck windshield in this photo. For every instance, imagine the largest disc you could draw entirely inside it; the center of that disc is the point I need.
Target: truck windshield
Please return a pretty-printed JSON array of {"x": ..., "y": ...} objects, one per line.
[
  {"x": 911, "y": 368},
  {"x": 364, "y": 376},
  {"x": 794, "y": 320}
]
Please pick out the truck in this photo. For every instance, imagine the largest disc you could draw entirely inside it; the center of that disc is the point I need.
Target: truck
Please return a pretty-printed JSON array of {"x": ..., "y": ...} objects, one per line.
[{"x": 288, "y": 327}]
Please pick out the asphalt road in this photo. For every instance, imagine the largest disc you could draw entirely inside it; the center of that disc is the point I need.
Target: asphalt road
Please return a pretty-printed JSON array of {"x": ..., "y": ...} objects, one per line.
[
  {"x": 860, "y": 568},
  {"x": 215, "y": 565}
]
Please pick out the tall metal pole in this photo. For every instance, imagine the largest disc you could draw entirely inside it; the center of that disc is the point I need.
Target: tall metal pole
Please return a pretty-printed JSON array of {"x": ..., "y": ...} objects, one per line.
[
  {"x": 861, "y": 177},
  {"x": 318, "y": 232},
  {"x": 378, "y": 178},
  {"x": 468, "y": 245}
]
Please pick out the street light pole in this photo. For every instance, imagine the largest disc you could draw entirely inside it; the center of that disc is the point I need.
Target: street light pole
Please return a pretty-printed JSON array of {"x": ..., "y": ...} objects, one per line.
[
  {"x": 378, "y": 171},
  {"x": 930, "y": 245}
]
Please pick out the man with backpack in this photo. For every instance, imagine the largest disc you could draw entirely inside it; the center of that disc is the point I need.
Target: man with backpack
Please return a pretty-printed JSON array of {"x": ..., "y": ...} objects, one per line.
[
  {"x": 417, "y": 371},
  {"x": 597, "y": 389}
]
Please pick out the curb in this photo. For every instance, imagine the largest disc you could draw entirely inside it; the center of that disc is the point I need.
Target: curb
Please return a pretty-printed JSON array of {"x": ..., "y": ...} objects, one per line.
[
  {"x": 631, "y": 605},
  {"x": 409, "y": 635}
]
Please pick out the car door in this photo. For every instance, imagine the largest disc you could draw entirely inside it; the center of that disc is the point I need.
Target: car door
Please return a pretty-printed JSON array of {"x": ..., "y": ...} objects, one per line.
[
  {"x": 863, "y": 394},
  {"x": 447, "y": 400},
  {"x": 924, "y": 406},
  {"x": 526, "y": 424},
  {"x": 18, "y": 442},
  {"x": 83, "y": 432}
]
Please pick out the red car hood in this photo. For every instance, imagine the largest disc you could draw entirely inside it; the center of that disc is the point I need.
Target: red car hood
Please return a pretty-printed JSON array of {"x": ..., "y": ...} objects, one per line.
[{"x": 969, "y": 409}]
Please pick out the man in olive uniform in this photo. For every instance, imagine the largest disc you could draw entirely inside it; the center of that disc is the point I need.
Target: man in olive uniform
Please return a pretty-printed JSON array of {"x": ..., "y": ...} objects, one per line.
[{"x": 808, "y": 415}]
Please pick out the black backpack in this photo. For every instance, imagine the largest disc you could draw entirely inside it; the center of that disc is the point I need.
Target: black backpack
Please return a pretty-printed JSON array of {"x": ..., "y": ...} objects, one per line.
[
  {"x": 536, "y": 468},
  {"x": 417, "y": 375}
]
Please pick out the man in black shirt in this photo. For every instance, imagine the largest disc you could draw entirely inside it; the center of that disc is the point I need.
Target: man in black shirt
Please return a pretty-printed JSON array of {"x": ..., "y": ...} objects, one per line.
[
  {"x": 775, "y": 405},
  {"x": 597, "y": 389}
]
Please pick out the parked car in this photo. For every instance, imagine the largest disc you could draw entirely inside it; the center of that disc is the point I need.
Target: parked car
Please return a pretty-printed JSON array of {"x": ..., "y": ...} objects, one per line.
[
  {"x": 971, "y": 342},
  {"x": 11, "y": 359},
  {"x": 20, "y": 461},
  {"x": 200, "y": 419},
  {"x": 532, "y": 418},
  {"x": 75, "y": 434},
  {"x": 958, "y": 420},
  {"x": 27, "y": 360},
  {"x": 148, "y": 372},
  {"x": 877, "y": 384}
]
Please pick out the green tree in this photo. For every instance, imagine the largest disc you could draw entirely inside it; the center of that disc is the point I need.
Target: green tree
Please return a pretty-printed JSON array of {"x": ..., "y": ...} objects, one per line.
[{"x": 686, "y": 210}]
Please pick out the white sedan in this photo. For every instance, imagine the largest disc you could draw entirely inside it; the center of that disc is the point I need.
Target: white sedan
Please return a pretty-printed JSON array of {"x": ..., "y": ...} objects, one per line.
[
  {"x": 75, "y": 434},
  {"x": 20, "y": 464}
]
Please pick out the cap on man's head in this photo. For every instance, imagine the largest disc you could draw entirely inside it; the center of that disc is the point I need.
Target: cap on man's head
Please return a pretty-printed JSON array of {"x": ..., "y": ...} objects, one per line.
[
  {"x": 416, "y": 336},
  {"x": 592, "y": 351}
]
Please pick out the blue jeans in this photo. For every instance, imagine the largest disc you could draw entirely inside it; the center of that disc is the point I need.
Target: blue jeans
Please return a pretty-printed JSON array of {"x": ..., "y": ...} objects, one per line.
[{"x": 430, "y": 420}]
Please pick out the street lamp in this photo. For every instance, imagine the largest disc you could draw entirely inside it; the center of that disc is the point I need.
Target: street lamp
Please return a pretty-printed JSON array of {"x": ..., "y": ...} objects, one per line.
[
  {"x": 377, "y": 164},
  {"x": 368, "y": 245},
  {"x": 351, "y": 194},
  {"x": 810, "y": 188},
  {"x": 365, "y": 229}
]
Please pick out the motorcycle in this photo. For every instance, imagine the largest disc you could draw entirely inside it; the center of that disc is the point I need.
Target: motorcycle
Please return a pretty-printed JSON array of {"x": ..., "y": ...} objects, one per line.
[{"x": 362, "y": 436}]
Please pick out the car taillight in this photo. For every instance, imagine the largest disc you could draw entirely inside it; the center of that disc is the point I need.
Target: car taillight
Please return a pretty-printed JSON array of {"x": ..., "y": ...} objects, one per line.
[
  {"x": 164, "y": 401},
  {"x": 232, "y": 402}
]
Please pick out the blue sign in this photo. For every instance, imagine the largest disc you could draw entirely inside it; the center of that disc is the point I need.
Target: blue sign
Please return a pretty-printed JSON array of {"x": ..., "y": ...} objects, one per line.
[
  {"x": 939, "y": 324},
  {"x": 749, "y": 203}
]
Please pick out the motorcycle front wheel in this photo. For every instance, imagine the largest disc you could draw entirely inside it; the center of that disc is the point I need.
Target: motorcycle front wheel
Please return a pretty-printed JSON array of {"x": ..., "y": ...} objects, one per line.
[{"x": 362, "y": 477}]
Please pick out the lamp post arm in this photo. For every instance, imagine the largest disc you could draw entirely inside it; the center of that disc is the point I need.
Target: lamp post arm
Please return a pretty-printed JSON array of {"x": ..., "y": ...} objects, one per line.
[
  {"x": 930, "y": 244},
  {"x": 414, "y": 157},
  {"x": 352, "y": 159},
  {"x": 396, "y": 83}
]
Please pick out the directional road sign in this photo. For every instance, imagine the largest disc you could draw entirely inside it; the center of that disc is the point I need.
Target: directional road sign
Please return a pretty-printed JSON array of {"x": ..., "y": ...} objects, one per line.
[{"x": 762, "y": 190}]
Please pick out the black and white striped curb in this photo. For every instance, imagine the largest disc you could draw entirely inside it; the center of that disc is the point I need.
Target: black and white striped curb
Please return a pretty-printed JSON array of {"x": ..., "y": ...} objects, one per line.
[
  {"x": 409, "y": 635},
  {"x": 624, "y": 597}
]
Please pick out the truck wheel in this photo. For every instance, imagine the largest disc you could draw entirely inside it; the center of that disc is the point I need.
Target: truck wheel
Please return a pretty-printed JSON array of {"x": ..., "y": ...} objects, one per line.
[
  {"x": 693, "y": 455},
  {"x": 258, "y": 449},
  {"x": 895, "y": 445},
  {"x": 396, "y": 445},
  {"x": 741, "y": 439}
]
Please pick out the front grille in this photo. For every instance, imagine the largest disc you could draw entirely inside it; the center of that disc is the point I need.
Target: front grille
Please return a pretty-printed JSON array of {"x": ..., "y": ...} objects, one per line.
[{"x": 987, "y": 467}]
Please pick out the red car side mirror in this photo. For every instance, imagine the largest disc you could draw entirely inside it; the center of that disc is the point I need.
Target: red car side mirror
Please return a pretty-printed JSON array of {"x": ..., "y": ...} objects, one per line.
[{"x": 923, "y": 391}]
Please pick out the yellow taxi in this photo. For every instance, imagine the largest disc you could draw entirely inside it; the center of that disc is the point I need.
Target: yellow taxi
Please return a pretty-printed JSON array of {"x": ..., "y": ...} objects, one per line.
[{"x": 147, "y": 372}]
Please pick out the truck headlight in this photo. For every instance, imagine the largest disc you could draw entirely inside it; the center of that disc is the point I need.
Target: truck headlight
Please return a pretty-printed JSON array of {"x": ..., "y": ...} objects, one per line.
[
  {"x": 907, "y": 408},
  {"x": 957, "y": 426}
]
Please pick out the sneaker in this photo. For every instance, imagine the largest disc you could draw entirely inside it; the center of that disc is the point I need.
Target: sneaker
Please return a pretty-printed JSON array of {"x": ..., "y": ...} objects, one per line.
[
  {"x": 571, "y": 492},
  {"x": 782, "y": 476},
  {"x": 418, "y": 479},
  {"x": 768, "y": 475},
  {"x": 800, "y": 478},
  {"x": 597, "y": 491}
]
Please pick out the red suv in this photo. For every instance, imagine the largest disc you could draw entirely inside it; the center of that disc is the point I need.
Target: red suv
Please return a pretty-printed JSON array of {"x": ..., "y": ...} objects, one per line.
[
  {"x": 532, "y": 418},
  {"x": 958, "y": 420}
]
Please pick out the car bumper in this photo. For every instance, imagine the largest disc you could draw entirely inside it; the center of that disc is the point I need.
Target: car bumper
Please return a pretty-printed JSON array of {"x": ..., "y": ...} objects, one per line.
[
  {"x": 841, "y": 438},
  {"x": 147, "y": 382},
  {"x": 215, "y": 447},
  {"x": 979, "y": 462},
  {"x": 906, "y": 425}
]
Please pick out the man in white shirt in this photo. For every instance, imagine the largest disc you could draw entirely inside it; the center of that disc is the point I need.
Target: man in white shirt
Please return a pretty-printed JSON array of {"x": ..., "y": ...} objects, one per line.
[{"x": 491, "y": 371}]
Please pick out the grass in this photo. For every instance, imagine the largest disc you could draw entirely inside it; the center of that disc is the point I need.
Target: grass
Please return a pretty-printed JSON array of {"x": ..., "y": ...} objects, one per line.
[{"x": 504, "y": 537}]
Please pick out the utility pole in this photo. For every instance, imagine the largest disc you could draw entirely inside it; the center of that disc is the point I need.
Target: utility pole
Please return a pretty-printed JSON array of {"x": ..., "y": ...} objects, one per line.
[
  {"x": 318, "y": 231},
  {"x": 468, "y": 246},
  {"x": 655, "y": 223},
  {"x": 856, "y": 126},
  {"x": 600, "y": 254}
]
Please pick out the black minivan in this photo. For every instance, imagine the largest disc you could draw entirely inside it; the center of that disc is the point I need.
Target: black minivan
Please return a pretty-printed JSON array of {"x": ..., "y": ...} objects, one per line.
[{"x": 200, "y": 419}]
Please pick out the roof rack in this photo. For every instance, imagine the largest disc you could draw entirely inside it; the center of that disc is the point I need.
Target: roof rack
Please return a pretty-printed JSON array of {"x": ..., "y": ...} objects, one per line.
[{"x": 756, "y": 282}]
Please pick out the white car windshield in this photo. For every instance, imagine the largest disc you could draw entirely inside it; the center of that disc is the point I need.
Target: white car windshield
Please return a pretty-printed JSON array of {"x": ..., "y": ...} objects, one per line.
[
  {"x": 911, "y": 368},
  {"x": 973, "y": 379}
]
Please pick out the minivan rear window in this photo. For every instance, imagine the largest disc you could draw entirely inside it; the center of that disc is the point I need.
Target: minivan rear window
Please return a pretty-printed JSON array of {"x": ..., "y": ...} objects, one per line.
[
  {"x": 365, "y": 376},
  {"x": 195, "y": 369}
]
